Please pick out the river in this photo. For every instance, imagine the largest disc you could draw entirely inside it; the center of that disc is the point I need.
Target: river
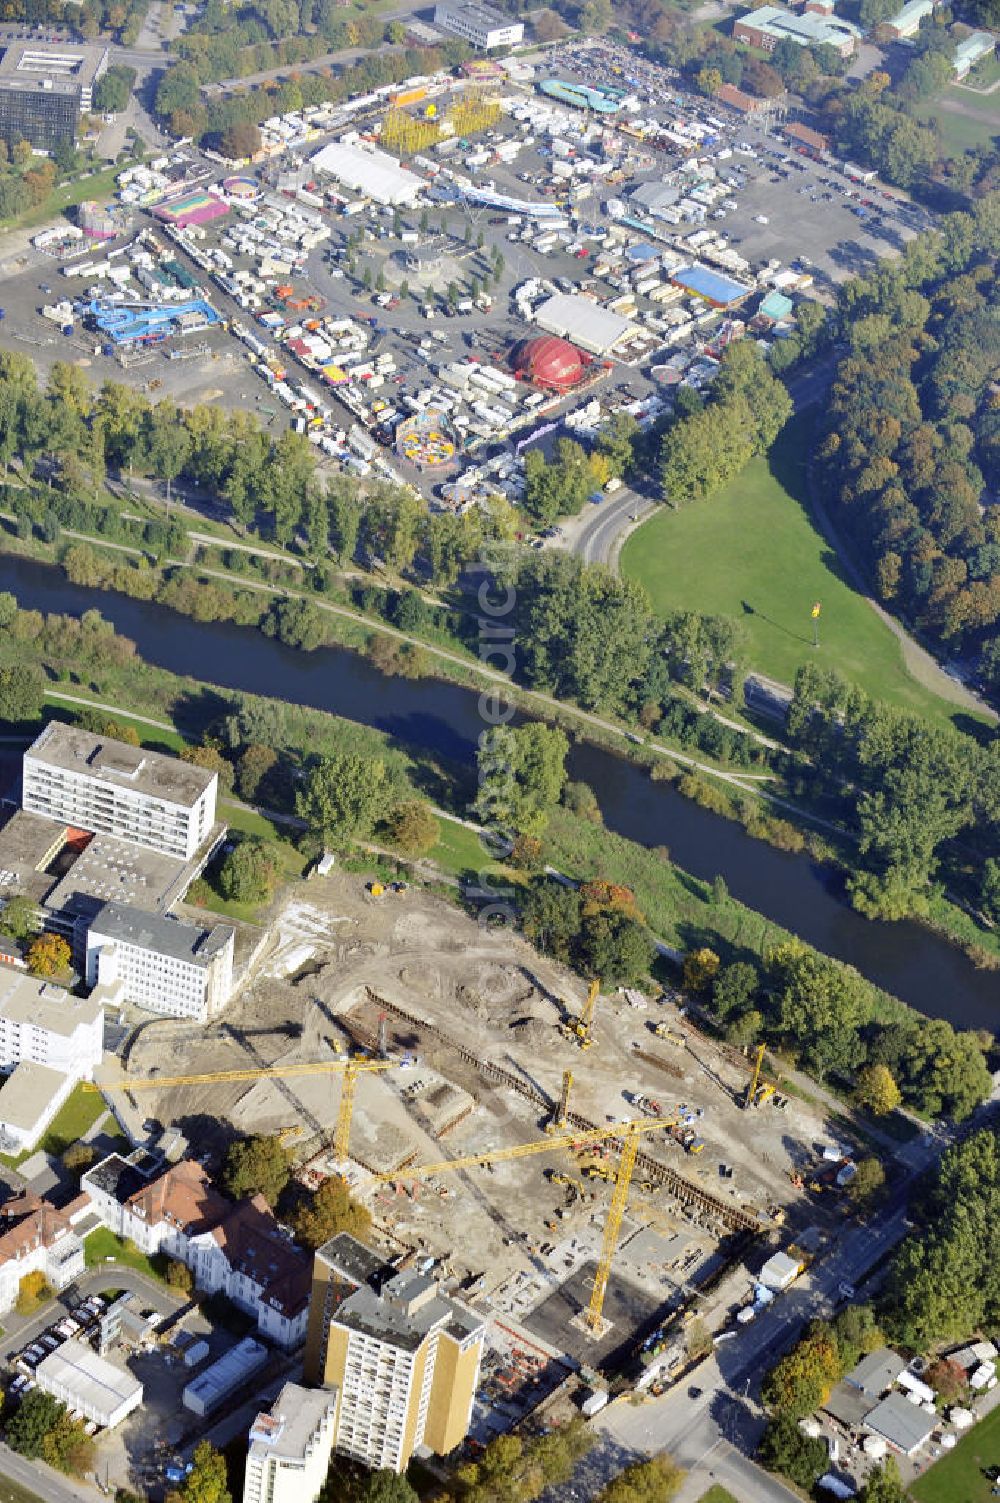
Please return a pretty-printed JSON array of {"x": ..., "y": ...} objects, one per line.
[{"x": 433, "y": 715}]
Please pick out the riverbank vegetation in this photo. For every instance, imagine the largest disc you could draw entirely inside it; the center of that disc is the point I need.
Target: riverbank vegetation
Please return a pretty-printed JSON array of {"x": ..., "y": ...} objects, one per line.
[{"x": 296, "y": 759}]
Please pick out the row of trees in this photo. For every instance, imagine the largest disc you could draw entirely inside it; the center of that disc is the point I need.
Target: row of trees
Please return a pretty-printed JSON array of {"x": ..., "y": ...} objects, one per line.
[
  {"x": 906, "y": 787},
  {"x": 183, "y": 106},
  {"x": 830, "y": 1020},
  {"x": 943, "y": 1283},
  {"x": 913, "y": 440},
  {"x": 746, "y": 409}
]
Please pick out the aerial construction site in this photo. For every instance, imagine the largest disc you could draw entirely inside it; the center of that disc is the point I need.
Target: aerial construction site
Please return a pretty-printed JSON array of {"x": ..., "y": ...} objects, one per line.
[{"x": 476, "y": 1095}]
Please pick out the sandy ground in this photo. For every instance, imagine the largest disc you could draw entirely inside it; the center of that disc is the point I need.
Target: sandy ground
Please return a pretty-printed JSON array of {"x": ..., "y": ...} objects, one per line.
[{"x": 451, "y": 997}]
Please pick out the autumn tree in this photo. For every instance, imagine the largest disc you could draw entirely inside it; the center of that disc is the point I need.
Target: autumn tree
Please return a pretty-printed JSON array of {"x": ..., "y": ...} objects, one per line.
[
  {"x": 331, "y": 1210},
  {"x": 259, "y": 1163},
  {"x": 413, "y": 828},
  {"x": 877, "y": 1090},
  {"x": 655, "y": 1480},
  {"x": 700, "y": 967},
  {"x": 49, "y": 955},
  {"x": 801, "y": 1381},
  {"x": 179, "y": 1276},
  {"x": 33, "y": 1290}
]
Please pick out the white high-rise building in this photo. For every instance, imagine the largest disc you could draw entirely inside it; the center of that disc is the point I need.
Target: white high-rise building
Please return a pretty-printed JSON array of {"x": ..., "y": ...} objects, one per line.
[
  {"x": 97, "y": 784},
  {"x": 42, "y": 1024},
  {"x": 161, "y": 964},
  {"x": 290, "y": 1448}
]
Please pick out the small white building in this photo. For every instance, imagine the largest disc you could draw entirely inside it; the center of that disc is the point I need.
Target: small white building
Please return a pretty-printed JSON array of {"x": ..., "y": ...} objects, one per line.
[
  {"x": 366, "y": 169},
  {"x": 481, "y": 25},
  {"x": 208, "y": 1390},
  {"x": 163, "y": 965},
  {"x": 289, "y": 1451},
  {"x": 88, "y": 1384},
  {"x": 29, "y": 1099}
]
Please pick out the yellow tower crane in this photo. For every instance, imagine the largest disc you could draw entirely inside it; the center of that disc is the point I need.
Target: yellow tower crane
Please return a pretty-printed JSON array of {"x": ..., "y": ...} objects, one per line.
[
  {"x": 350, "y": 1069},
  {"x": 629, "y": 1134},
  {"x": 580, "y": 1028}
]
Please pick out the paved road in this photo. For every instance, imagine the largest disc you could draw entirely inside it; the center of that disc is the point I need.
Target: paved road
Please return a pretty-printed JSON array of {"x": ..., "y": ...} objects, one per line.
[
  {"x": 599, "y": 538},
  {"x": 42, "y": 1480}
]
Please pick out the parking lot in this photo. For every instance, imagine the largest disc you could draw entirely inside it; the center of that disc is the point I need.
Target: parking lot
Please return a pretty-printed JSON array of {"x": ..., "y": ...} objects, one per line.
[{"x": 384, "y": 330}]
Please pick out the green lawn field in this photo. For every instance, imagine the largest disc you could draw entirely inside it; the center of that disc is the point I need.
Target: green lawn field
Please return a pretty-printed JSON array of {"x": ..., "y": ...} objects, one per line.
[
  {"x": 752, "y": 552},
  {"x": 959, "y": 1477},
  {"x": 717, "y": 1494},
  {"x": 103, "y": 1246}
]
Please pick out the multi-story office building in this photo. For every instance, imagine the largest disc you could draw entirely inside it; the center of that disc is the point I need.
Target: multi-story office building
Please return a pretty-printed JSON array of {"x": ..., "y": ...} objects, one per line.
[
  {"x": 44, "y": 1025},
  {"x": 403, "y": 1357},
  {"x": 139, "y": 796},
  {"x": 289, "y": 1451},
  {"x": 44, "y": 90},
  {"x": 161, "y": 964},
  {"x": 479, "y": 24}
]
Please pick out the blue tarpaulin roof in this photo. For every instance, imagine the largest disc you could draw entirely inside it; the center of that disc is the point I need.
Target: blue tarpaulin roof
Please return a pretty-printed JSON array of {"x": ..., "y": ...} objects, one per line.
[
  {"x": 642, "y": 252},
  {"x": 710, "y": 285}
]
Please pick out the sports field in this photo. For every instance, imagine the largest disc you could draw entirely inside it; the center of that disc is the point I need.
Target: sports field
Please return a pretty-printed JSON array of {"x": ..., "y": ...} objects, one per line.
[
  {"x": 960, "y": 1477},
  {"x": 752, "y": 552}
]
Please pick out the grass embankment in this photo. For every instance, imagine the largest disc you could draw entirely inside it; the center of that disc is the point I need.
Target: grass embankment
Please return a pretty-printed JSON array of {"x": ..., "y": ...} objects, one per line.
[
  {"x": 103, "y": 1246},
  {"x": 961, "y": 1475},
  {"x": 98, "y": 185},
  {"x": 74, "y": 1119},
  {"x": 717, "y": 1494},
  {"x": 13, "y": 1492},
  {"x": 753, "y": 552}
]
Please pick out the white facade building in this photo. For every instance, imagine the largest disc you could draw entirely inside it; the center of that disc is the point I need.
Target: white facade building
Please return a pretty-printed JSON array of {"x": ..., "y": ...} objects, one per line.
[
  {"x": 161, "y": 964},
  {"x": 233, "y": 1249},
  {"x": 97, "y": 784},
  {"x": 289, "y": 1452},
  {"x": 88, "y": 1384},
  {"x": 479, "y": 24},
  {"x": 42, "y": 1024},
  {"x": 36, "y": 1238}
]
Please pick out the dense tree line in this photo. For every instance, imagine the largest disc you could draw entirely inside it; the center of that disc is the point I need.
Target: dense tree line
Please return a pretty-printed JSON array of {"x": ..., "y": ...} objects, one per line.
[
  {"x": 944, "y": 1283},
  {"x": 906, "y": 787},
  {"x": 831, "y": 1021},
  {"x": 747, "y": 408}
]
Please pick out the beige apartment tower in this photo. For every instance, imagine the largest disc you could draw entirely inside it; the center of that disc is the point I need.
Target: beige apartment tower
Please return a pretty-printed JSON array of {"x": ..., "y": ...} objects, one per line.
[{"x": 402, "y": 1357}]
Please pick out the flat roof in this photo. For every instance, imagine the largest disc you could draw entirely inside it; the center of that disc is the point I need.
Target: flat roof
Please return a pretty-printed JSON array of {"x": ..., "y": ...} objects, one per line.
[
  {"x": 289, "y": 1429},
  {"x": 114, "y": 762},
  {"x": 350, "y": 1258},
  {"x": 408, "y": 1308},
  {"x": 62, "y": 69},
  {"x": 477, "y": 15},
  {"x": 807, "y": 28},
  {"x": 904, "y": 1425},
  {"x": 26, "y": 1093},
  {"x": 94, "y": 1380},
  {"x": 711, "y": 285},
  {"x": 110, "y": 870},
  {"x": 576, "y": 318},
  {"x": 161, "y": 935},
  {"x": 366, "y": 169},
  {"x": 24, "y": 999}
]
